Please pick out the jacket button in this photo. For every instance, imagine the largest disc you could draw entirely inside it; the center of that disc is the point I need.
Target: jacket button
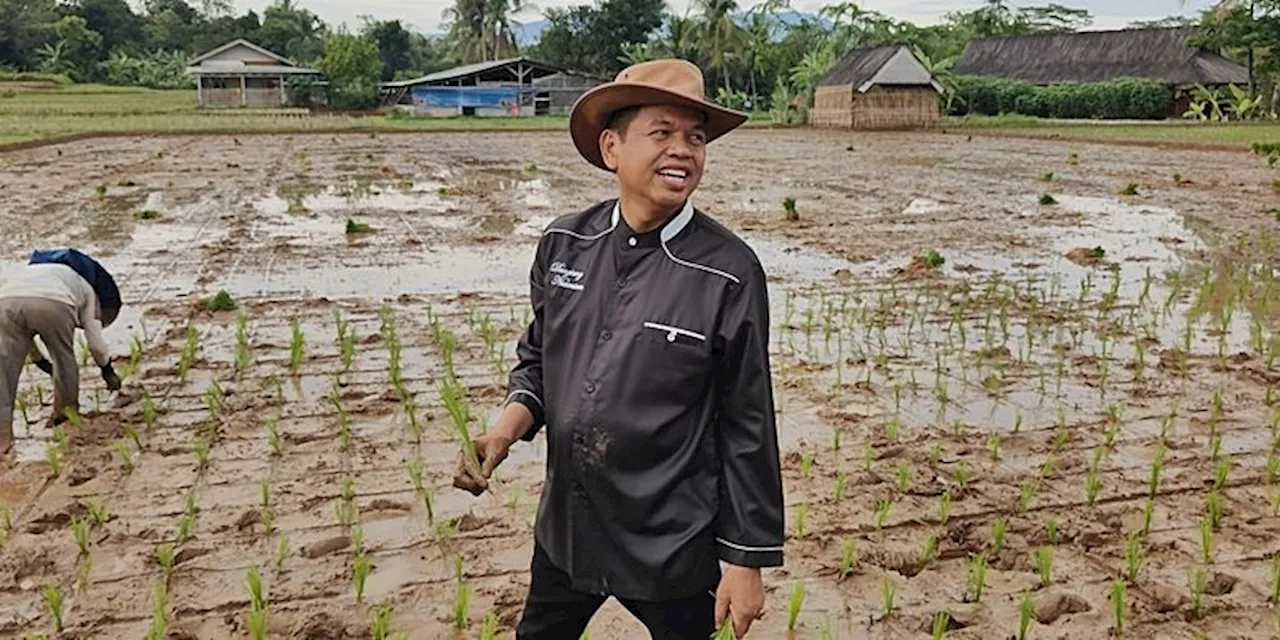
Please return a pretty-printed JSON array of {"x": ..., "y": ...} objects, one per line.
[
  {"x": 606, "y": 334},
  {"x": 622, "y": 282},
  {"x": 590, "y": 387}
]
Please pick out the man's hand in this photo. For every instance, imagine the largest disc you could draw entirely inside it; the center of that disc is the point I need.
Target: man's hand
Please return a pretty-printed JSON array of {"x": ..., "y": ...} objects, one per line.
[
  {"x": 741, "y": 594},
  {"x": 109, "y": 376},
  {"x": 491, "y": 449}
]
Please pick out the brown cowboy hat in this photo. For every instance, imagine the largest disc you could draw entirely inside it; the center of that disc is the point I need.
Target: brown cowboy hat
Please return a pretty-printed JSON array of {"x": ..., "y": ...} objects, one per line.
[{"x": 657, "y": 82}]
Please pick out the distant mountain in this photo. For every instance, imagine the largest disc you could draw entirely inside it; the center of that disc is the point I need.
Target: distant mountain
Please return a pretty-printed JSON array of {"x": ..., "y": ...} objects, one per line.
[{"x": 527, "y": 34}]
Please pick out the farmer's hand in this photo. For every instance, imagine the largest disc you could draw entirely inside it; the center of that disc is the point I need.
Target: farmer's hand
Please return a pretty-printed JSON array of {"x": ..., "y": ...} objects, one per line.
[
  {"x": 741, "y": 594},
  {"x": 44, "y": 365},
  {"x": 109, "y": 376},
  {"x": 491, "y": 449}
]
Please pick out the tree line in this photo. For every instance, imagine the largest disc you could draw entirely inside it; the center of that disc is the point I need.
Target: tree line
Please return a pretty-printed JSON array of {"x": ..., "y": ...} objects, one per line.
[{"x": 764, "y": 56}]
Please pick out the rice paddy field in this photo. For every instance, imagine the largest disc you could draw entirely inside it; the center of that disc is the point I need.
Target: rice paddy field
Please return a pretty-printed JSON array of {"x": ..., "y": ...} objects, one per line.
[{"x": 1026, "y": 388}]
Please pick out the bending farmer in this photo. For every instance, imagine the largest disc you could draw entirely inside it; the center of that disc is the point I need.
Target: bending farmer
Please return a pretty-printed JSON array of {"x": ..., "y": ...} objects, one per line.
[
  {"x": 59, "y": 291},
  {"x": 647, "y": 363}
]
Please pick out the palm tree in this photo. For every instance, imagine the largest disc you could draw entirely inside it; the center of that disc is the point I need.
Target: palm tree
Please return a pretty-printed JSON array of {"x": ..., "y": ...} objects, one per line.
[
  {"x": 722, "y": 37},
  {"x": 763, "y": 22},
  {"x": 481, "y": 29}
]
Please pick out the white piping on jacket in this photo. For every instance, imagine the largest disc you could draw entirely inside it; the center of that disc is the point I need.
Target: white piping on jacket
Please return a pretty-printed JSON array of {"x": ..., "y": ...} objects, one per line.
[
  {"x": 672, "y": 332},
  {"x": 527, "y": 393},
  {"x": 613, "y": 224},
  {"x": 677, "y": 225},
  {"x": 742, "y": 547}
]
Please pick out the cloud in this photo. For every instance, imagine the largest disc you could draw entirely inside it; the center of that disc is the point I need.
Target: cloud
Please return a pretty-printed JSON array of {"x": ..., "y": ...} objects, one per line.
[{"x": 425, "y": 15}]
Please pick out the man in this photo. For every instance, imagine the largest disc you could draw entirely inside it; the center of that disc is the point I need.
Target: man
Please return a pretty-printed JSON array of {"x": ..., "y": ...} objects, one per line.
[
  {"x": 647, "y": 362},
  {"x": 59, "y": 291}
]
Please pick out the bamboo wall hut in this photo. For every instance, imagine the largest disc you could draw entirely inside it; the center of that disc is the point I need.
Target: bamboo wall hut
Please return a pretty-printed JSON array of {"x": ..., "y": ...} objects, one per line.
[{"x": 877, "y": 88}]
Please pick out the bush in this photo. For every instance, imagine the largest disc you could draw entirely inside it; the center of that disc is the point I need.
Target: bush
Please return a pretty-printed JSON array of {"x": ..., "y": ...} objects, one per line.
[{"x": 1123, "y": 98}]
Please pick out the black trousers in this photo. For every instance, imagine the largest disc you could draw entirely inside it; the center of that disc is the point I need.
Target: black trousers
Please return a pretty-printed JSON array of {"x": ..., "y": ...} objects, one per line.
[{"x": 553, "y": 611}]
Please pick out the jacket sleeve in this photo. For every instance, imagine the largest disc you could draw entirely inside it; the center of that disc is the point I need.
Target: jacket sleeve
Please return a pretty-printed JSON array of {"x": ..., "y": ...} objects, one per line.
[
  {"x": 750, "y": 521},
  {"x": 524, "y": 385}
]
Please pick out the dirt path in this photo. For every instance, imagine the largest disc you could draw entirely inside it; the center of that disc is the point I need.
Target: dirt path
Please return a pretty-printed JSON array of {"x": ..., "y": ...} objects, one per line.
[{"x": 919, "y": 407}]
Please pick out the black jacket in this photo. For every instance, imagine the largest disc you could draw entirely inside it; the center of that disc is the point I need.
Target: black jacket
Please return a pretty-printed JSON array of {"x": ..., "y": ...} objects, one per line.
[{"x": 647, "y": 361}]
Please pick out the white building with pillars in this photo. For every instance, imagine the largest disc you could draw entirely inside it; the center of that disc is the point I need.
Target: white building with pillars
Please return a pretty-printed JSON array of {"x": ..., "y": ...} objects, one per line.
[{"x": 243, "y": 74}]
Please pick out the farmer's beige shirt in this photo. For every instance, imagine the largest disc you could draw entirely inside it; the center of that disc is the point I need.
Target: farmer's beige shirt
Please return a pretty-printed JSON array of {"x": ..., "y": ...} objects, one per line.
[{"x": 61, "y": 283}]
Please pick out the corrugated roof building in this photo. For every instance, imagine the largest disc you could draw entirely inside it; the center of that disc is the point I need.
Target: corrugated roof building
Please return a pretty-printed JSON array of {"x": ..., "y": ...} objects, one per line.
[{"x": 512, "y": 87}]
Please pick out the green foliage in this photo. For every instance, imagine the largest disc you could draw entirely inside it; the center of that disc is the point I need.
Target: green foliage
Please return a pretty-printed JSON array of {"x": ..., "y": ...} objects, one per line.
[
  {"x": 1124, "y": 98},
  {"x": 1047, "y": 200},
  {"x": 353, "y": 68},
  {"x": 220, "y": 301},
  {"x": 354, "y": 227}
]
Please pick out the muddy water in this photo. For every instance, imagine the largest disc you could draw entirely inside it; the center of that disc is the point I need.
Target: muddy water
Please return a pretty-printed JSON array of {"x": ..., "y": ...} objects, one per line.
[{"x": 455, "y": 229}]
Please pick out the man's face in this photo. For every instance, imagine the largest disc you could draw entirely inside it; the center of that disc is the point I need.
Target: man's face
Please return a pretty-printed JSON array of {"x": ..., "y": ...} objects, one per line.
[{"x": 658, "y": 156}]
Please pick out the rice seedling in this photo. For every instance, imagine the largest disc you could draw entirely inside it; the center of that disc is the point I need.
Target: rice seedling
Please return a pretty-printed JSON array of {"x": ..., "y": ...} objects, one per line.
[
  {"x": 794, "y": 603},
  {"x": 1025, "y": 610},
  {"x": 997, "y": 535},
  {"x": 296, "y": 346},
  {"x": 1046, "y": 176},
  {"x": 977, "y": 577},
  {"x": 1275, "y": 578},
  {"x": 54, "y": 601},
  {"x": 789, "y": 212},
  {"x": 1044, "y": 565},
  {"x": 1134, "y": 556},
  {"x": 725, "y": 632},
  {"x": 451, "y": 396},
  {"x": 1215, "y": 508},
  {"x": 1206, "y": 541},
  {"x": 220, "y": 301},
  {"x": 380, "y": 622},
  {"x": 462, "y": 606},
  {"x": 121, "y": 448},
  {"x": 159, "y": 626},
  {"x": 806, "y": 464},
  {"x": 282, "y": 551},
  {"x": 200, "y": 449},
  {"x": 1148, "y": 512},
  {"x": 267, "y": 513},
  {"x": 930, "y": 549},
  {"x": 80, "y": 531},
  {"x": 802, "y": 514},
  {"x": 849, "y": 557},
  {"x": 1026, "y": 495},
  {"x": 842, "y": 480},
  {"x": 887, "y": 591},
  {"x": 1117, "y": 605},
  {"x": 53, "y": 455},
  {"x": 355, "y": 227},
  {"x": 1197, "y": 579},
  {"x": 165, "y": 558},
  {"x": 961, "y": 474},
  {"x": 993, "y": 445},
  {"x": 1092, "y": 484},
  {"x": 882, "y": 511},
  {"x": 1130, "y": 189},
  {"x": 1220, "y": 473},
  {"x": 944, "y": 507},
  {"x": 1051, "y": 530},
  {"x": 256, "y": 620},
  {"x": 1047, "y": 200},
  {"x": 360, "y": 569}
]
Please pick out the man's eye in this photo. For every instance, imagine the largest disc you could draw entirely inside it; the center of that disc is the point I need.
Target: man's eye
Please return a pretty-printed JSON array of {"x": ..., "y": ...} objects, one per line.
[{"x": 698, "y": 138}]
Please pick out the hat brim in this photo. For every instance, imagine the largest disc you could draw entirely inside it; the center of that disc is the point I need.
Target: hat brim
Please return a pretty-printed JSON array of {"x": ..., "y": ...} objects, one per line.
[{"x": 592, "y": 111}]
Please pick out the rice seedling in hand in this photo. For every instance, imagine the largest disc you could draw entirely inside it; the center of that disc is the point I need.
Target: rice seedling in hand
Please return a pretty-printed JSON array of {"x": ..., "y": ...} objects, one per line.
[
  {"x": 725, "y": 632},
  {"x": 1044, "y": 565},
  {"x": 256, "y": 620},
  {"x": 1134, "y": 556},
  {"x": 54, "y": 601},
  {"x": 977, "y": 577}
]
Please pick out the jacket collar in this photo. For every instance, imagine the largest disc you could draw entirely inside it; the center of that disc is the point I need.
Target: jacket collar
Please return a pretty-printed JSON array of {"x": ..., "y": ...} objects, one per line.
[{"x": 670, "y": 230}]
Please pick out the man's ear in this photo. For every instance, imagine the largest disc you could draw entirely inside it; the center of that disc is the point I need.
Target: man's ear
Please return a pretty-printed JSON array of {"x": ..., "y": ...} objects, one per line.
[{"x": 609, "y": 148}]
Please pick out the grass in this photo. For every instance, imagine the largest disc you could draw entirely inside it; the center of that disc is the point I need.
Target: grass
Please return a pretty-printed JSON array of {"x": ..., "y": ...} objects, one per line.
[
  {"x": 1236, "y": 134},
  {"x": 147, "y": 214},
  {"x": 220, "y": 301},
  {"x": 355, "y": 227}
]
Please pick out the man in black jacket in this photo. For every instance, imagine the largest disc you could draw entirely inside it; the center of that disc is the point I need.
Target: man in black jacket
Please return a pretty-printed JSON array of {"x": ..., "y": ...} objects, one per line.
[{"x": 647, "y": 362}]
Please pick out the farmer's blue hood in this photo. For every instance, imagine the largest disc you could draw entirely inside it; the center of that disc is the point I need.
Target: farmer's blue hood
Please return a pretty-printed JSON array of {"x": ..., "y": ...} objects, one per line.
[{"x": 89, "y": 269}]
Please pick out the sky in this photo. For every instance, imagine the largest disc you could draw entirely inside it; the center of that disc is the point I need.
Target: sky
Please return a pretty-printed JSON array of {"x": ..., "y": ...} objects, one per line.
[{"x": 426, "y": 14}]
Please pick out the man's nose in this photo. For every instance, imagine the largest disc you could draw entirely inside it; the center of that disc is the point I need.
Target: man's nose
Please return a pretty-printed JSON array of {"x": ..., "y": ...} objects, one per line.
[{"x": 680, "y": 147}]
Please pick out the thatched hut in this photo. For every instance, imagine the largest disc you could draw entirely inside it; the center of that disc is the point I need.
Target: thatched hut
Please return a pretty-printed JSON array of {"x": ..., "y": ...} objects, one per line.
[
  {"x": 877, "y": 88},
  {"x": 1158, "y": 53}
]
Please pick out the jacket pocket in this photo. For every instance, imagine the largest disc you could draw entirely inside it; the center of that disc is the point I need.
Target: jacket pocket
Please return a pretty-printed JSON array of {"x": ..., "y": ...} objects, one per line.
[{"x": 677, "y": 335}]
